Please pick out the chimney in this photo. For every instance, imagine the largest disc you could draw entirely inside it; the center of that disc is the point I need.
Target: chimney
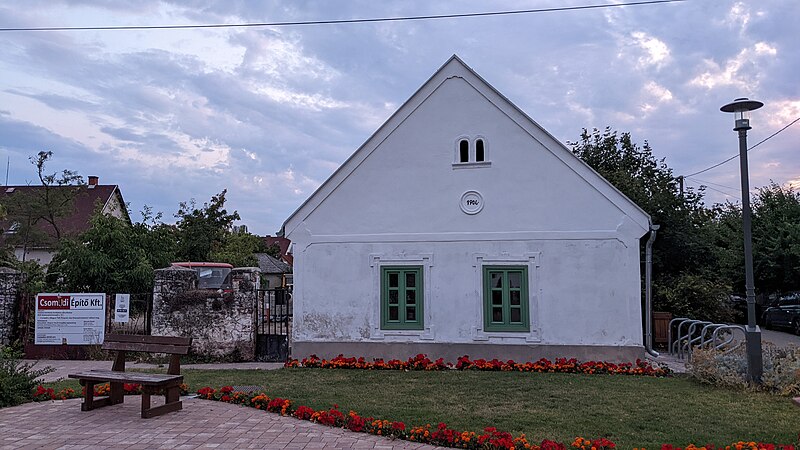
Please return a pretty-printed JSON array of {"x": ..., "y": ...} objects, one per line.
[{"x": 93, "y": 179}]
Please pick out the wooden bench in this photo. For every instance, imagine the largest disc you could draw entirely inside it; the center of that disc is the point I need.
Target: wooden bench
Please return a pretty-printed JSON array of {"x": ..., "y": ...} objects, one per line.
[{"x": 168, "y": 384}]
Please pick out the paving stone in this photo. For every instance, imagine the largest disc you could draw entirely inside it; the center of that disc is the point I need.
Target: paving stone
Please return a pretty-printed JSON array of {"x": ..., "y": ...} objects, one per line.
[{"x": 200, "y": 424}]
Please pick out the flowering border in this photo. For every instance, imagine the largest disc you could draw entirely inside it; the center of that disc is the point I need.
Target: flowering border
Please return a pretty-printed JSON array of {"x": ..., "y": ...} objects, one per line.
[
  {"x": 422, "y": 362},
  {"x": 441, "y": 434},
  {"x": 42, "y": 394}
]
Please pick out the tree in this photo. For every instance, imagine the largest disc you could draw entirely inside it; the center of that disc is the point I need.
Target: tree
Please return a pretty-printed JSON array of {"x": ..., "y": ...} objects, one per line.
[
  {"x": 683, "y": 251},
  {"x": 107, "y": 257},
  {"x": 776, "y": 239},
  {"x": 35, "y": 213},
  {"x": 239, "y": 249},
  {"x": 200, "y": 231}
]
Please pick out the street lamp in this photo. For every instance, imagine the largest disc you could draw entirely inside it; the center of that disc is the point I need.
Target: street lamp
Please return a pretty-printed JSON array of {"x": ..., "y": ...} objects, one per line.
[{"x": 741, "y": 108}]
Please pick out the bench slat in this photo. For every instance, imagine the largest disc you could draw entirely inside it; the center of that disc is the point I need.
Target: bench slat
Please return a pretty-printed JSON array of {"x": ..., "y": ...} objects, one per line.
[
  {"x": 145, "y": 379},
  {"x": 150, "y": 348},
  {"x": 145, "y": 339}
]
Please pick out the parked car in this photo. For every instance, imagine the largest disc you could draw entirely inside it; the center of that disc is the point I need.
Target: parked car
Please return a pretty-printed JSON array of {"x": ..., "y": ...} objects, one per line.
[
  {"x": 784, "y": 314},
  {"x": 211, "y": 275}
]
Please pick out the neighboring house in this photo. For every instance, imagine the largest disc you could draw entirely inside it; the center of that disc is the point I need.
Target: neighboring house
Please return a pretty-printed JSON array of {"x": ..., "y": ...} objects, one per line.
[
  {"x": 283, "y": 244},
  {"x": 462, "y": 227},
  {"x": 87, "y": 198},
  {"x": 273, "y": 271}
]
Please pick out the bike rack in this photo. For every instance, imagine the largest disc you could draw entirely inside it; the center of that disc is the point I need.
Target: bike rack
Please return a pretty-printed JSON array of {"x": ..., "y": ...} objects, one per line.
[
  {"x": 677, "y": 345},
  {"x": 691, "y": 333},
  {"x": 690, "y": 340},
  {"x": 669, "y": 332},
  {"x": 730, "y": 338}
]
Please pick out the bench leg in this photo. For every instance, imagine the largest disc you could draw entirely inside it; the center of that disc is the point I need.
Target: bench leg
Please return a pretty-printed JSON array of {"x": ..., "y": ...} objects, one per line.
[
  {"x": 172, "y": 396},
  {"x": 117, "y": 394},
  {"x": 89, "y": 402}
]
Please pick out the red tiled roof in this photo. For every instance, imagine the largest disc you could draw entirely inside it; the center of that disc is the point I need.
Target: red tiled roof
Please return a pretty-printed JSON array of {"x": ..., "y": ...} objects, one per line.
[
  {"x": 283, "y": 245},
  {"x": 83, "y": 206}
]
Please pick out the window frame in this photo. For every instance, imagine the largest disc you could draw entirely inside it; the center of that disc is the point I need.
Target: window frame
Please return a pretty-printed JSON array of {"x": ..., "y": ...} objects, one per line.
[
  {"x": 506, "y": 325},
  {"x": 419, "y": 304}
]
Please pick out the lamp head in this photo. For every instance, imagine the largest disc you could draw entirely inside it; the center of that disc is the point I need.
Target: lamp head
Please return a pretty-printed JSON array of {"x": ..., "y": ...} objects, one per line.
[{"x": 741, "y": 108}]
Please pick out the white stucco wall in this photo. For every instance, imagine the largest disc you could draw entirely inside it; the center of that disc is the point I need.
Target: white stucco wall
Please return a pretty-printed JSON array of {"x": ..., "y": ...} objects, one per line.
[
  {"x": 43, "y": 256},
  {"x": 397, "y": 201},
  {"x": 582, "y": 292}
]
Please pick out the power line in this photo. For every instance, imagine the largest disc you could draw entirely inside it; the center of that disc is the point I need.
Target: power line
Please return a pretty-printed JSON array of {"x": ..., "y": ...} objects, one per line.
[
  {"x": 754, "y": 146},
  {"x": 344, "y": 21},
  {"x": 697, "y": 180},
  {"x": 713, "y": 189}
]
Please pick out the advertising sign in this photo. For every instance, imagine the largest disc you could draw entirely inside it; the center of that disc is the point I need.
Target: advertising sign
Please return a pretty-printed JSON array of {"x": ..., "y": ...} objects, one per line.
[
  {"x": 122, "y": 304},
  {"x": 72, "y": 319}
]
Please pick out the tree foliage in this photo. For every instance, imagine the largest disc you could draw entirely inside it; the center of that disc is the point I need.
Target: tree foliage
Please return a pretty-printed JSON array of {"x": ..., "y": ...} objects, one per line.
[
  {"x": 239, "y": 249},
  {"x": 201, "y": 231},
  {"x": 682, "y": 249},
  {"x": 35, "y": 214},
  {"x": 108, "y": 257},
  {"x": 776, "y": 238}
]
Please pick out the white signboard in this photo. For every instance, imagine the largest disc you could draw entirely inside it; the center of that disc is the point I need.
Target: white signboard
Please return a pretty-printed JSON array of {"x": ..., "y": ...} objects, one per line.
[
  {"x": 122, "y": 304},
  {"x": 73, "y": 319}
]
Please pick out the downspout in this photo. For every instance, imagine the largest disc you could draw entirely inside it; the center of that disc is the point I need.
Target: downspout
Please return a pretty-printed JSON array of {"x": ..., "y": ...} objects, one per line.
[{"x": 648, "y": 292}]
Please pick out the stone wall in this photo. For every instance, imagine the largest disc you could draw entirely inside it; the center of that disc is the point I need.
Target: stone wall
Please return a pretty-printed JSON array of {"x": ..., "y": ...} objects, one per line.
[
  {"x": 10, "y": 287},
  {"x": 221, "y": 325}
]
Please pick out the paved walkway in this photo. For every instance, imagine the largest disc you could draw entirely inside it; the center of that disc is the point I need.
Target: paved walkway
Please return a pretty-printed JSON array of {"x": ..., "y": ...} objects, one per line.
[
  {"x": 201, "y": 424},
  {"x": 779, "y": 338},
  {"x": 66, "y": 367}
]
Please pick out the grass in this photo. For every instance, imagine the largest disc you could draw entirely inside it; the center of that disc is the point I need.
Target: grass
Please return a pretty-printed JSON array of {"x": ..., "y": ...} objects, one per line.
[{"x": 631, "y": 411}]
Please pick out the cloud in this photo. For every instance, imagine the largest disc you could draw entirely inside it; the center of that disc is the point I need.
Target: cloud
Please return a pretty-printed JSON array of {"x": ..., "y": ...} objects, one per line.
[
  {"x": 654, "y": 52},
  {"x": 271, "y": 112},
  {"x": 741, "y": 72}
]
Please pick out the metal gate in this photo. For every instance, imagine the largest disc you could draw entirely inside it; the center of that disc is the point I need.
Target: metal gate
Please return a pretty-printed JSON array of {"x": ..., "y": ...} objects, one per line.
[
  {"x": 140, "y": 315},
  {"x": 273, "y": 324}
]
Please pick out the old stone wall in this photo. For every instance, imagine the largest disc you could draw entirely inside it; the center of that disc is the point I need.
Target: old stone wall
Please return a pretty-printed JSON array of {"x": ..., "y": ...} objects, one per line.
[
  {"x": 221, "y": 324},
  {"x": 10, "y": 288}
]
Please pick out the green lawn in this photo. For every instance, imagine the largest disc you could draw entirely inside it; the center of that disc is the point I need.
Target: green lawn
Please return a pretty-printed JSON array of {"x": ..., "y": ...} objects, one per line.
[{"x": 632, "y": 411}]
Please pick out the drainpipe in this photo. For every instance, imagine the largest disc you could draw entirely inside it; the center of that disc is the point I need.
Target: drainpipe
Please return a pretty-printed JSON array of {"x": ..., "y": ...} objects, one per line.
[{"x": 648, "y": 292}]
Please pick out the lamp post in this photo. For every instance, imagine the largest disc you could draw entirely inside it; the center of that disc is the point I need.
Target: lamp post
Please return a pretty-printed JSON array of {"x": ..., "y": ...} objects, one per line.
[{"x": 741, "y": 108}]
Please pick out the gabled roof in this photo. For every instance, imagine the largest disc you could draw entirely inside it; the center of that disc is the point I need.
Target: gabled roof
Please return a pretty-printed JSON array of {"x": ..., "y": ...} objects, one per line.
[
  {"x": 87, "y": 198},
  {"x": 455, "y": 67},
  {"x": 283, "y": 244},
  {"x": 271, "y": 265}
]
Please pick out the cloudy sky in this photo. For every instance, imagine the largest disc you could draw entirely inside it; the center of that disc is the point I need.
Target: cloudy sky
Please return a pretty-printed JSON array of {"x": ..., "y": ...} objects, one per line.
[{"x": 269, "y": 113}]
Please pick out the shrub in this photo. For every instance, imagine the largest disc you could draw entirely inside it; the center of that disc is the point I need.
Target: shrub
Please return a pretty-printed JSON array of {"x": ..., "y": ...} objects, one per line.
[
  {"x": 694, "y": 296},
  {"x": 17, "y": 379},
  {"x": 781, "y": 369}
]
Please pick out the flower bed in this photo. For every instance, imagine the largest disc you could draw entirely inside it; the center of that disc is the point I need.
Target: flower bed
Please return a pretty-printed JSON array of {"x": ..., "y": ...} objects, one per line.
[
  {"x": 422, "y": 362},
  {"x": 43, "y": 394},
  {"x": 441, "y": 434}
]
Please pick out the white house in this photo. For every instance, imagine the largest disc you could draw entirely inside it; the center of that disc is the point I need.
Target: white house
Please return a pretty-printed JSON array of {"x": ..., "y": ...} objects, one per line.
[{"x": 463, "y": 227}]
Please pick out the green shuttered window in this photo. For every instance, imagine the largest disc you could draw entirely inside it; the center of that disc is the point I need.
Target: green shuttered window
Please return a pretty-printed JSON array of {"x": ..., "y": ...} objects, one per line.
[
  {"x": 401, "y": 298},
  {"x": 505, "y": 298}
]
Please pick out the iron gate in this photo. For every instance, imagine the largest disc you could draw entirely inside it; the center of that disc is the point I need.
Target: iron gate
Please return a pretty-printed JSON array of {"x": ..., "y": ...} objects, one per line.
[
  {"x": 140, "y": 314},
  {"x": 273, "y": 324}
]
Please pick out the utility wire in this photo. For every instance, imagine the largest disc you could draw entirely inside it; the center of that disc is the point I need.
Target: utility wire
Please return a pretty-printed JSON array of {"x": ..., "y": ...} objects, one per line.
[
  {"x": 343, "y": 21},
  {"x": 697, "y": 180},
  {"x": 736, "y": 156},
  {"x": 714, "y": 189}
]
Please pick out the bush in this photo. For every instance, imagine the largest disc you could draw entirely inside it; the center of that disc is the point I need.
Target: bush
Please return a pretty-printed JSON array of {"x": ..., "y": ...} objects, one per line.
[
  {"x": 781, "y": 369},
  {"x": 694, "y": 296},
  {"x": 17, "y": 379}
]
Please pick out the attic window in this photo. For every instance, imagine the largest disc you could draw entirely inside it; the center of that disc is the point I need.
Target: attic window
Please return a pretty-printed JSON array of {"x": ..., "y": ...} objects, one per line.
[
  {"x": 463, "y": 150},
  {"x": 13, "y": 228},
  {"x": 471, "y": 152},
  {"x": 9, "y": 190}
]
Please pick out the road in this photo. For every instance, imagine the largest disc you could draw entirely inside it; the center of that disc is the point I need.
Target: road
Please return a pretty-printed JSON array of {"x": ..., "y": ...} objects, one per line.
[{"x": 779, "y": 338}]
